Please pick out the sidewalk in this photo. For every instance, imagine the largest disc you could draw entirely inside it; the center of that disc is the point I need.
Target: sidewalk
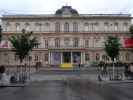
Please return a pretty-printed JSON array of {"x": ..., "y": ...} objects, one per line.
[{"x": 91, "y": 77}]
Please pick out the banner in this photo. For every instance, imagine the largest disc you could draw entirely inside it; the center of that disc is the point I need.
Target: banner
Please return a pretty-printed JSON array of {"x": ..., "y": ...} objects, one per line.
[
  {"x": 4, "y": 44},
  {"x": 128, "y": 43}
]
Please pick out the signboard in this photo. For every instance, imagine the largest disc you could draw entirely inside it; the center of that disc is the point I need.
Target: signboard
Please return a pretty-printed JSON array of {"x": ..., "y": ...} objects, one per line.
[
  {"x": 4, "y": 44},
  {"x": 128, "y": 43}
]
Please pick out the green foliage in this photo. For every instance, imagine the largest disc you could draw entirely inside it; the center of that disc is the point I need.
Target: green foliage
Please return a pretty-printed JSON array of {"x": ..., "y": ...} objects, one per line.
[
  {"x": 112, "y": 47},
  {"x": 23, "y": 44},
  {"x": 131, "y": 31},
  {"x": 0, "y": 33}
]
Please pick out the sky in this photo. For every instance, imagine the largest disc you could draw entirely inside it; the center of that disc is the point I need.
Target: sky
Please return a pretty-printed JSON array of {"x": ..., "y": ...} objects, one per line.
[{"x": 50, "y": 6}]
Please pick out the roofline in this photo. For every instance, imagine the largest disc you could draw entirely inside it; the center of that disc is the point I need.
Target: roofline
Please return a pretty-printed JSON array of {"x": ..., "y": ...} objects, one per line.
[{"x": 51, "y": 16}]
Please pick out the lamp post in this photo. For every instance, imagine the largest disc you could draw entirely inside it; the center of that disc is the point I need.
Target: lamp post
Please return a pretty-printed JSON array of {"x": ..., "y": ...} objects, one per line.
[{"x": 114, "y": 68}]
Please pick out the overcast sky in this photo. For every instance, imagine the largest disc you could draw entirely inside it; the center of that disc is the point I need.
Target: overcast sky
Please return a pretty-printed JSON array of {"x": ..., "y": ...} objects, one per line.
[{"x": 50, "y": 6}]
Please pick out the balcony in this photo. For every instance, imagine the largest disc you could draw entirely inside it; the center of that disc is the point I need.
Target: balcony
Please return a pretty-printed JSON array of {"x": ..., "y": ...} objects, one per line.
[{"x": 65, "y": 47}]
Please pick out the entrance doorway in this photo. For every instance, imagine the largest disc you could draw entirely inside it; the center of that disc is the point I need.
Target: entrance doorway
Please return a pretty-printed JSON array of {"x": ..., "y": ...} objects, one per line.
[{"x": 66, "y": 57}]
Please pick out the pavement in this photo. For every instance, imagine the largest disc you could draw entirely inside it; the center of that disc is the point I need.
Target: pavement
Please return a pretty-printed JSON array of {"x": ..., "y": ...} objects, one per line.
[
  {"x": 44, "y": 75},
  {"x": 68, "y": 85}
]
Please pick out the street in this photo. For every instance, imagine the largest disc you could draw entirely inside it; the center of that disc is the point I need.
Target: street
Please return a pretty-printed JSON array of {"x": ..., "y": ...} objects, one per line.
[{"x": 71, "y": 89}]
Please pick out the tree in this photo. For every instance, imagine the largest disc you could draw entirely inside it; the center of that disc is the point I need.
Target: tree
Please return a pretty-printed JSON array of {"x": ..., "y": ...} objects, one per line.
[
  {"x": 112, "y": 48},
  {"x": 23, "y": 44},
  {"x": 131, "y": 31},
  {"x": 0, "y": 33}
]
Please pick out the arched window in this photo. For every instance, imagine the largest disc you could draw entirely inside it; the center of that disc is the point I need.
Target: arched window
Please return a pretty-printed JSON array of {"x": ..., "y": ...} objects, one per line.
[
  {"x": 96, "y": 26},
  {"x": 75, "y": 27},
  {"x": 57, "y": 42},
  {"x": 57, "y": 27},
  {"x": 17, "y": 27},
  {"x": 66, "y": 27},
  {"x": 115, "y": 26},
  {"x": 47, "y": 26},
  {"x": 8, "y": 26},
  {"x": 125, "y": 26},
  {"x": 106, "y": 26},
  {"x": 38, "y": 27},
  {"x": 86, "y": 27},
  {"x": 27, "y": 26}
]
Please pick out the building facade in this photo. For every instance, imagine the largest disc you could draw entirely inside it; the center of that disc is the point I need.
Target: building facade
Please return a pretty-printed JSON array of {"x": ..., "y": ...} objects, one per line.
[{"x": 66, "y": 37}]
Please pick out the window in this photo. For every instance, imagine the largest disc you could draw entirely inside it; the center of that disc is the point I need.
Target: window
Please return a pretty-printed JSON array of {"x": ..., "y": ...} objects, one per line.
[
  {"x": 105, "y": 58},
  {"x": 66, "y": 27},
  {"x": 75, "y": 27},
  {"x": 57, "y": 42},
  {"x": 27, "y": 26},
  {"x": 66, "y": 41},
  {"x": 87, "y": 56},
  {"x": 7, "y": 27},
  {"x": 95, "y": 26},
  {"x": 116, "y": 27},
  {"x": 47, "y": 27},
  {"x": 97, "y": 57},
  {"x": 38, "y": 27},
  {"x": 46, "y": 43},
  {"x": 46, "y": 57},
  {"x": 106, "y": 26},
  {"x": 87, "y": 43},
  {"x": 16, "y": 57},
  {"x": 36, "y": 57},
  {"x": 76, "y": 42},
  {"x": 125, "y": 26},
  {"x": 86, "y": 27},
  {"x": 57, "y": 27},
  {"x": 17, "y": 27},
  {"x": 127, "y": 57}
]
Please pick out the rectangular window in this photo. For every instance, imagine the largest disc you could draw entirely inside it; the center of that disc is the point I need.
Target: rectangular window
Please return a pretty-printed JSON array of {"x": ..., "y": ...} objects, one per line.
[{"x": 87, "y": 43}]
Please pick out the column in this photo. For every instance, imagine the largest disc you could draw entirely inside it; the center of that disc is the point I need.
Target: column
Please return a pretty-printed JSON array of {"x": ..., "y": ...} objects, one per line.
[
  {"x": 71, "y": 58},
  {"x": 49, "y": 57},
  {"x": 61, "y": 57}
]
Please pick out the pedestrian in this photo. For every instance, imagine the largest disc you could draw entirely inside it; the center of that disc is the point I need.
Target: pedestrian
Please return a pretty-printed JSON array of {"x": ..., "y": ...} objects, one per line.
[{"x": 79, "y": 65}]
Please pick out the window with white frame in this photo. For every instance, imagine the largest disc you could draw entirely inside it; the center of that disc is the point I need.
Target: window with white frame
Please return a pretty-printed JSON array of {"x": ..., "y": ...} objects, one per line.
[
  {"x": 8, "y": 26},
  {"x": 86, "y": 27},
  {"x": 75, "y": 27},
  {"x": 38, "y": 27},
  {"x": 86, "y": 43},
  {"x": 115, "y": 26},
  {"x": 46, "y": 57},
  {"x": 66, "y": 41},
  {"x": 17, "y": 27},
  {"x": 66, "y": 27},
  {"x": 57, "y": 27},
  {"x": 47, "y": 26},
  {"x": 57, "y": 42},
  {"x": 76, "y": 42},
  {"x": 97, "y": 56},
  {"x": 125, "y": 26},
  {"x": 106, "y": 26},
  {"x": 46, "y": 43},
  {"x": 96, "y": 26},
  {"x": 36, "y": 58},
  {"x": 87, "y": 57},
  {"x": 27, "y": 26},
  {"x": 127, "y": 56}
]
